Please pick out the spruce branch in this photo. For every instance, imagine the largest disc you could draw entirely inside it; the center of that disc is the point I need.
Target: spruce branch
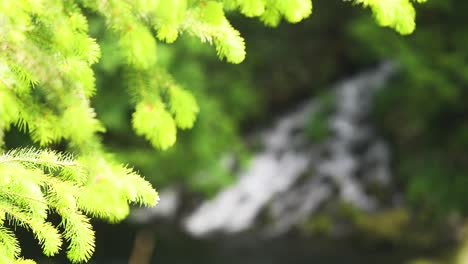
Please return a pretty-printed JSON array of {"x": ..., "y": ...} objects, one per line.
[
  {"x": 35, "y": 182},
  {"x": 46, "y": 85}
]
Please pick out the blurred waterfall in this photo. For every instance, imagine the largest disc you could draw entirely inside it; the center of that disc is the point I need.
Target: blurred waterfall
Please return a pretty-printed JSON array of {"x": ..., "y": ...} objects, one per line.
[
  {"x": 334, "y": 167},
  {"x": 291, "y": 178}
]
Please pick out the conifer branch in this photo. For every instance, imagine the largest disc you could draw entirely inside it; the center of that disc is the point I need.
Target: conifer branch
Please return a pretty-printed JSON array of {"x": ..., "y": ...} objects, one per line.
[
  {"x": 36, "y": 181},
  {"x": 3, "y": 190},
  {"x": 41, "y": 158},
  {"x": 46, "y": 85}
]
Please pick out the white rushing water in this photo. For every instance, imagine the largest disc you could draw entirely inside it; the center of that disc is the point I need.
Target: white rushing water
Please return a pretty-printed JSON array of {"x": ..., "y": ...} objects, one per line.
[
  {"x": 291, "y": 177},
  {"x": 271, "y": 172},
  {"x": 270, "y": 180}
]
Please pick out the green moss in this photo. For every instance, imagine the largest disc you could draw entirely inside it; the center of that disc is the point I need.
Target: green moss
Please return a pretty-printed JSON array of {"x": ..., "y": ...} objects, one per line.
[
  {"x": 387, "y": 224},
  {"x": 317, "y": 126},
  {"x": 423, "y": 261},
  {"x": 321, "y": 224}
]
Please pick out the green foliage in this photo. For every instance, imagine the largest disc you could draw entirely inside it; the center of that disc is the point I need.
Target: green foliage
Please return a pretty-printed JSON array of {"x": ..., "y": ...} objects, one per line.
[
  {"x": 423, "y": 111},
  {"x": 398, "y": 14},
  {"x": 225, "y": 97},
  {"x": 47, "y": 84},
  {"x": 35, "y": 182},
  {"x": 435, "y": 185}
]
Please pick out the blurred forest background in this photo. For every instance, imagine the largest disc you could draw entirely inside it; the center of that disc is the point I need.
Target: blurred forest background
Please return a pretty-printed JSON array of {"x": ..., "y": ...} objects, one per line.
[{"x": 421, "y": 113}]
